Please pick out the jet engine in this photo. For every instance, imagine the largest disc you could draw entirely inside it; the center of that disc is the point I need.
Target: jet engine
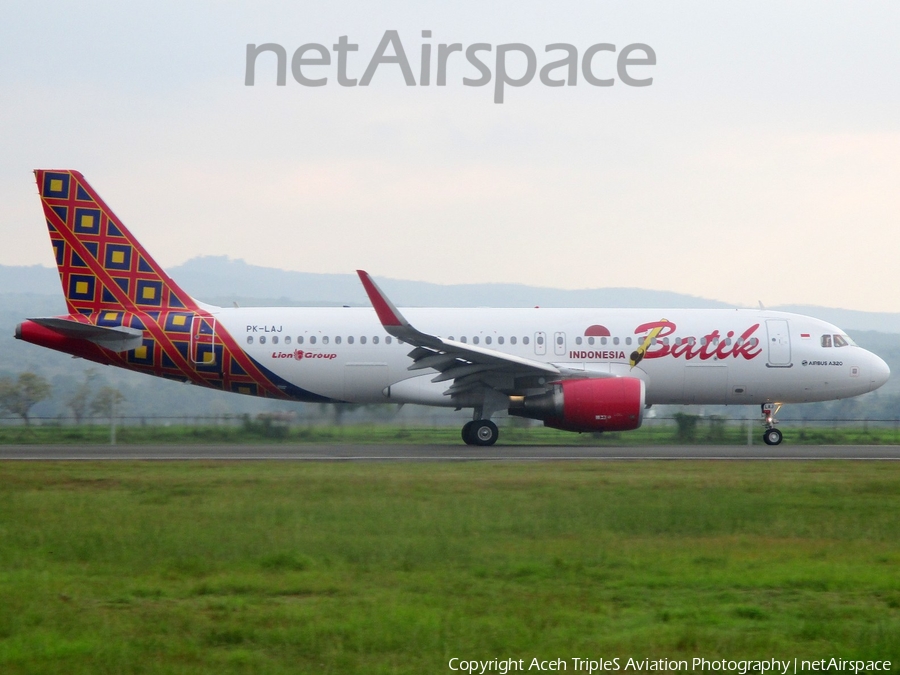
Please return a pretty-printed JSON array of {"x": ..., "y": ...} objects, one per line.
[{"x": 607, "y": 404}]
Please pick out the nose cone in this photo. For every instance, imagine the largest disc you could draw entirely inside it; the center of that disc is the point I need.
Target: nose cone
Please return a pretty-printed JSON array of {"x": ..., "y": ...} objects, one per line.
[{"x": 880, "y": 371}]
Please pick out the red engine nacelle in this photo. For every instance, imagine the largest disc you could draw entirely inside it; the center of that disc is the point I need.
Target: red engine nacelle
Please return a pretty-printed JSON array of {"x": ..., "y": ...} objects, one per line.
[{"x": 608, "y": 404}]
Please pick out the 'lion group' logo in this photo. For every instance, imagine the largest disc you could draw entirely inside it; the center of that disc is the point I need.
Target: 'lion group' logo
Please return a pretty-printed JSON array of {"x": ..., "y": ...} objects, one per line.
[{"x": 299, "y": 355}]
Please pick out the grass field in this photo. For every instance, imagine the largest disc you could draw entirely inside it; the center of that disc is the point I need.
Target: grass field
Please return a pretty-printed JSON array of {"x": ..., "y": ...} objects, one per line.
[
  {"x": 256, "y": 432},
  {"x": 396, "y": 568}
]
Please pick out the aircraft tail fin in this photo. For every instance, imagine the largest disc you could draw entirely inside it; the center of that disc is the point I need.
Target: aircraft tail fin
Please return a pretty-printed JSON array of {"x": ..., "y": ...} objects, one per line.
[{"x": 102, "y": 266}]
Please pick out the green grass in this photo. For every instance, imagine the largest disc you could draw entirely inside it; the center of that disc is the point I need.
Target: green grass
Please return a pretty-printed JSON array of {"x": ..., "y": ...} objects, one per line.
[
  {"x": 650, "y": 434},
  {"x": 395, "y": 568}
]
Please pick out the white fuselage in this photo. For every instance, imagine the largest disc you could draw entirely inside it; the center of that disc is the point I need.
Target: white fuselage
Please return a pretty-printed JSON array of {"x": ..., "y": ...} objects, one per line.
[{"x": 729, "y": 357}]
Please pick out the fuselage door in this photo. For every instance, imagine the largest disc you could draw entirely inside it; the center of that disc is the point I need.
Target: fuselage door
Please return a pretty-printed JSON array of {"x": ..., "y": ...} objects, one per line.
[
  {"x": 203, "y": 341},
  {"x": 779, "y": 343},
  {"x": 540, "y": 343},
  {"x": 559, "y": 344}
]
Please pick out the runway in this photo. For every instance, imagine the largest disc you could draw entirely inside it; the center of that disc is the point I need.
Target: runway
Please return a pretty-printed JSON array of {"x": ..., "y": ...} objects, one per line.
[{"x": 443, "y": 453}]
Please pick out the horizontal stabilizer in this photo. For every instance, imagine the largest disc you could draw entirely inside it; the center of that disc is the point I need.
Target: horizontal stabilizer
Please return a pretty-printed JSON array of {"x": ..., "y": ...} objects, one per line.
[{"x": 115, "y": 338}]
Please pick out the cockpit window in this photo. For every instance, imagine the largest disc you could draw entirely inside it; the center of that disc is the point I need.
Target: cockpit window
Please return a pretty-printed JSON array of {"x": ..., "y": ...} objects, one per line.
[
  {"x": 840, "y": 341},
  {"x": 826, "y": 340}
]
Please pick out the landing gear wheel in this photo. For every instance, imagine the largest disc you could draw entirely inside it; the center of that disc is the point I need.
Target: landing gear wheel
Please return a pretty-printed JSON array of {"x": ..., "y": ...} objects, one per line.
[
  {"x": 467, "y": 433},
  {"x": 772, "y": 437},
  {"x": 483, "y": 432}
]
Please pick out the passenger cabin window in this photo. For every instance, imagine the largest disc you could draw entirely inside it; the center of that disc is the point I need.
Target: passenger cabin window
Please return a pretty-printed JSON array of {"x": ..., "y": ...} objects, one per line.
[
  {"x": 475, "y": 340},
  {"x": 500, "y": 340},
  {"x": 615, "y": 341},
  {"x": 512, "y": 340},
  {"x": 375, "y": 340},
  {"x": 387, "y": 340},
  {"x": 578, "y": 341},
  {"x": 628, "y": 341},
  {"x": 262, "y": 339},
  {"x": 349, "y": 339},
  {"x": 300, "y": 340},
  {"x": 249, "y": 339},
  {"x": 275, "y": 340},
  {"x": 826, "y": 340},
  {"x": 325, "y": 340},
  {"x": 362, "y": 339},
  {"x": 487, "y": 340},
  {"x": 337, "y": 339},
  {"x": 287, "y": 339},
  {"x": 590, "y": 341},
  {"x": 525, "y": 340},
  {"x": 312, "y": 339},
  {"x": 463, "y": 339}
]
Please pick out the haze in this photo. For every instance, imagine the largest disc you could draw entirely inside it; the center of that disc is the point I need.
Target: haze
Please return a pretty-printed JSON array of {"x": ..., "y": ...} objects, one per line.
[{"x": 761, "y": 164}]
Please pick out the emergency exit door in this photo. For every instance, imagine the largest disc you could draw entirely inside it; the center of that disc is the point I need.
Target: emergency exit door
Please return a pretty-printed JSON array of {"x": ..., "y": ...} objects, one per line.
[{"x": 559, "y": 344}]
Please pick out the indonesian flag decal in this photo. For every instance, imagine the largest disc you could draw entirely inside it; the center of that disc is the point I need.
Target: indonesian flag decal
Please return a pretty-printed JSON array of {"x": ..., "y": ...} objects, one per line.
[{"x": 804, "y": 336}]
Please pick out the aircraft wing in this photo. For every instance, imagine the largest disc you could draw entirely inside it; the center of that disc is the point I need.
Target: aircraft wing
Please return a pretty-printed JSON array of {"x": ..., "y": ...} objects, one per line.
[
  {"x": 117, "y": 338},
  {"x": 469, "y": 366}
]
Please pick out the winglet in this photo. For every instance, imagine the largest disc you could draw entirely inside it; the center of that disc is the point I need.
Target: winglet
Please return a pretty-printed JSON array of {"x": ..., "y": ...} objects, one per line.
[{"x": 388, "y": 314}]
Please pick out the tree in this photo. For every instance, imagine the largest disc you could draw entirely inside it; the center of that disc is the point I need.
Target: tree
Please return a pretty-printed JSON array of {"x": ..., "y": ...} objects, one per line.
[
  {"x": 20, "y": 396},
  {"x": 339, "y": 409},
  {"x": 687, "y": 426},
  {"x": 80, "y": 400},
  {"x": 106, "y": 401}
]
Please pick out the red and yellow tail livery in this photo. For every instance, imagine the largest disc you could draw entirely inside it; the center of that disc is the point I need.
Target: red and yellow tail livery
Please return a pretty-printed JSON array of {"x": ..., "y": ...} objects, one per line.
[
  {"x": 102, "y": 267},
  {"x": 123, "y": 308}
]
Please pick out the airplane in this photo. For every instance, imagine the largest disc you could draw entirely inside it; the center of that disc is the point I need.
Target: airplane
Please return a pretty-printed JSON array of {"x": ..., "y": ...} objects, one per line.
[{"x": 579, "y": 370}]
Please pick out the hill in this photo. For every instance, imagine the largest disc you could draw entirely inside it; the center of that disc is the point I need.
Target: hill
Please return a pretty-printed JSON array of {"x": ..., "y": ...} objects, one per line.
[{"x": 223, "y": 281}]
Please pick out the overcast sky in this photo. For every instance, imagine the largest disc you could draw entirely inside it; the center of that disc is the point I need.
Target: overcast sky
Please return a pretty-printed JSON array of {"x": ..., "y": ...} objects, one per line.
[{"x": 762, "y": 163}]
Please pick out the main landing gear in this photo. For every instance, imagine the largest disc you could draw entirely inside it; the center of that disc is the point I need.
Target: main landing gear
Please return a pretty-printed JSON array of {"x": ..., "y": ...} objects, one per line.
[
  {"x": 771, "y": 436},
  {"x": 480, "y": 432}
]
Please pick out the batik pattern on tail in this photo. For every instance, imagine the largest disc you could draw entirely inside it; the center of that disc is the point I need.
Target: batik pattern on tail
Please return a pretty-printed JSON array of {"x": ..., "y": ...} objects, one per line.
[
  {"x": 109, "y": 279},
  {"x": 101, "y": 265}
]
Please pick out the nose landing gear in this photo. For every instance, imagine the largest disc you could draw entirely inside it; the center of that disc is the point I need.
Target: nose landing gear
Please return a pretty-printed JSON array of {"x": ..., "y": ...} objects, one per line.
[{"x": 771, "y": 436}]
